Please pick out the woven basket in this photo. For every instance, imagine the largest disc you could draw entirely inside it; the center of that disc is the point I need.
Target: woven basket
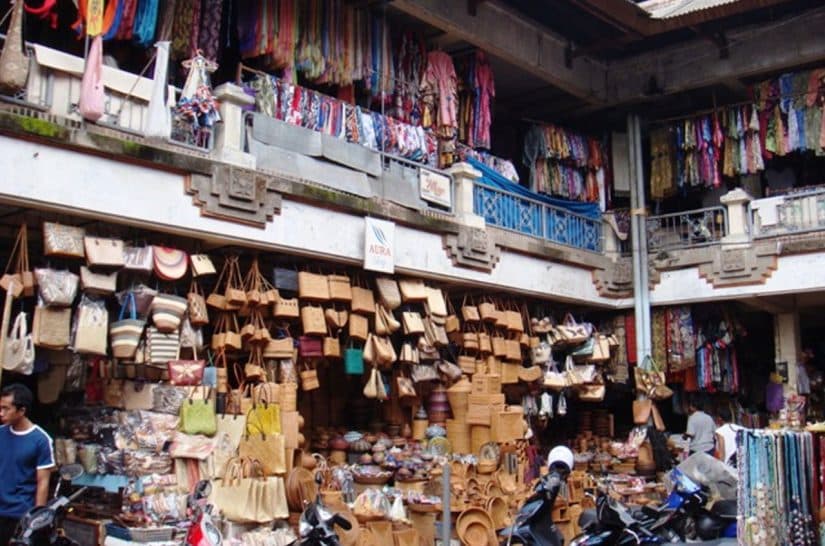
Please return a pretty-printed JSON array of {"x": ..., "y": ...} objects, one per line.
[
  {"x": 479, "y": 435},
  {"x": 458, "y": 396},
  {"x": 289, "y": 397},
  {"x": 458, "y": 433},
  {"x": 509, "y": 373},
  {"x": 485, "y": 466}
]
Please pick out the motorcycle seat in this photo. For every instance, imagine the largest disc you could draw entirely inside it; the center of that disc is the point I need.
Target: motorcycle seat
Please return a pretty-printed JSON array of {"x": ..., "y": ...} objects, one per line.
[{"x": 724, "y": 508}]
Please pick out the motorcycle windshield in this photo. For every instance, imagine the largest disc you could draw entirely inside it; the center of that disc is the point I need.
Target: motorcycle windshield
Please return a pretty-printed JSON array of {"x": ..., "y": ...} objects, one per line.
[
  {"x": 682, "y": 483},
  {"x": 710, "y": 472}
]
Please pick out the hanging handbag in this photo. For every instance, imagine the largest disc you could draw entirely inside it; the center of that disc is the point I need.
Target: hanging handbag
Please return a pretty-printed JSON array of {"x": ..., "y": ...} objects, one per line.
[
  {"x": 391, "y": 324},
  {"x": 469, "y": 312},
  {"x": 313, "y": 286},
  {"x": 167, "y": 311},
  {"x": 18, "y": 348},
  {"x": 332, "y": 348},
  {"x": 583, "y": 351},
  {"x": 171, "y": 264},
  {"x": 412, "y": 290},
  {"x": 310, "y": 347},
  {"x": 354, "y": 361},
  {"x": 371, "y": 388},
  {"x": 312, "y": 320},
  {"x": 309, "y": 378},
  {"x": 570, "y": 332},
  {"x": 287, "y": 308},
  {"x": 161, "y": 346},
  {"x": 499, "y": 345},
  {"x": 279, "y": 348},
  {"x": 541, "y": 354},
  {"x": 196, "y": 305},
  {"x": 97, "y": 283},
  {"x": 186, "y": 372},
  {"x": 18, "y": 277},
  {"x": 285, "y": 279},
  {"x": 265, "y": 415},
  {"x": 363, "y": 300},
  {"x": 554, "y": 379},
  {"x": 601, "y": 349},
  {"x": 388, "y": 292},
  {"x": 336, "y": 319},
  {"x": 406, "y": 387},
  {"x": 14, "y": 63},
  {"x": 358, "y": 327},
  {"x": 487, "y": 311},
  {"x": 51, "y": 327},
  {"x": 198, "y": 416},
  {"x": 641, "y": 411},
  {"x": 591, "y": 393},
  {"x": 449, "y": 369},
  {"x": 140, "y": 259},
  {"x": 125, "y": 333},
  {"x": 423, "y": 372},
  {"x": 103, "y": 252},
  {"x": 91, "y": 327},
  {"x": 201, "y": 265},
  {"x": 409, "y": 353},
  {"x": 436, "y": 304},
  {"x": 268, "y": 450},
  {"x": 64, "y": 241},
  {"x": 413, "y": 325},
  {"x": 340, "y": 288}
]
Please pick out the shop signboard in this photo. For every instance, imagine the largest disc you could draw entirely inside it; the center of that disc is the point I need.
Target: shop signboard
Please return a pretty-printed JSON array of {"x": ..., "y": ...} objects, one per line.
[
  {"x": 435, "y": 188},
  {"x": 379, "y": 245}
]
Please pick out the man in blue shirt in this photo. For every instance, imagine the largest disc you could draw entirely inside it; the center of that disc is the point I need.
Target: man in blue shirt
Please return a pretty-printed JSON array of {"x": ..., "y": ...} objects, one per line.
[{"x": 26, "y": 459}]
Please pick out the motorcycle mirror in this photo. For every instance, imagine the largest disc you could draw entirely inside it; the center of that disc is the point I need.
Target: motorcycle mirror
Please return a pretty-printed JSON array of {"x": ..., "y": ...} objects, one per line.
[
  {"x": 70, "y": 471},
  {"x": 342, "y": 522},
  {"x": 203, "y": 489}
]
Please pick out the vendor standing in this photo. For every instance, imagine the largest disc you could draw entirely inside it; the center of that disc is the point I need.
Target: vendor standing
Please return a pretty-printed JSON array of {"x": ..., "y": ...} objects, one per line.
[
  {"x": 26, "y": 459},
  {"x": 700, "y": 430}
]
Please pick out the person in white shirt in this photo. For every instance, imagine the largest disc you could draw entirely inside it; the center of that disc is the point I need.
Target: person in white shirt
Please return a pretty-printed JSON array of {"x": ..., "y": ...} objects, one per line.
[
  {"x": 726, "y": 437},
  {"x": 700, "y": 429}
]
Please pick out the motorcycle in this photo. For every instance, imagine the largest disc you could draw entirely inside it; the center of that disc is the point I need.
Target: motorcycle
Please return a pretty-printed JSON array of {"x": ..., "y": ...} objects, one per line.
[
  {"x": 693, "y": 483},
  {"x": 42, "y": 524},
  {"x": 316, "y": 525},
  {"x": 534, "y": 523},
  {"x": 683, "y": 516},
  {"x": 202, "y": 531}
]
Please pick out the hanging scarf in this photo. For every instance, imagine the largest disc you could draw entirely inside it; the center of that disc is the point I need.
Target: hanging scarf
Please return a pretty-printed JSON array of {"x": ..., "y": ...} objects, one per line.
[{"x": 146, "y": 18}]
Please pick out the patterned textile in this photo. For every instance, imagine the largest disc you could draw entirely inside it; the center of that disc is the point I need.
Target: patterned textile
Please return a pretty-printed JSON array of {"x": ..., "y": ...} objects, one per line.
[{"x": 681, "y": 339}]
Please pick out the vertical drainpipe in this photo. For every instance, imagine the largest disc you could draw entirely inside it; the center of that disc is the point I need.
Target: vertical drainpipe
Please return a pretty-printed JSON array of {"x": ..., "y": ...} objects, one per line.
[{"x": 641, "y": 294}]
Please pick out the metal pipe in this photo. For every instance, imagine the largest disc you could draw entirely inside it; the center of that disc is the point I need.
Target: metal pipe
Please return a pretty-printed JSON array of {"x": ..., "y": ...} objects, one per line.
[
  {"x": 644, "y": 270},
  {"x": 446, "y": 521},
  {"x": 634, "y": 233}
]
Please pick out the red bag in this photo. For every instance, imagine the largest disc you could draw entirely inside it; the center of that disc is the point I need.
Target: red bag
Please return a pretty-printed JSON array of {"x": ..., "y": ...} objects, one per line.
[
  {"x": 311, "y": 347},
  {"x": 186, "y": 373}
]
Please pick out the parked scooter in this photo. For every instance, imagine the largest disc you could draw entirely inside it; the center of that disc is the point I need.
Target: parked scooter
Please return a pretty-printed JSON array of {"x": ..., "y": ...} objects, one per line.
[
  {"x": 202, "y": 531},
  {"x": 42, "y": 524},
  {"x": 693, "y": 483},
  {"x": 685, "y": 514},
  {"x": 316, "y": 526},
  {"x": 534, "y": 523}
]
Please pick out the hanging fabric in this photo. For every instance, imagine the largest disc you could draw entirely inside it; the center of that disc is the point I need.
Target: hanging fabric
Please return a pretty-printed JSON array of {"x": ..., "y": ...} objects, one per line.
[
  {"x": 146, "y": 18},
  {"x": 14, "y": 64},
  {"x": 159, "y": 117},
  {"x": 92, "y": 93}
]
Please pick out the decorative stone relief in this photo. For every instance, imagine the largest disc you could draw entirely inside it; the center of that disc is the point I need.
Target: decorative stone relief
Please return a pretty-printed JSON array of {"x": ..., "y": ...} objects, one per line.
[
  {"x": 473, "y": 248},
  {"x": 615, "y": 281},
  {"x": 234, "y": 194},
  {"x": 752, "y": 264}
]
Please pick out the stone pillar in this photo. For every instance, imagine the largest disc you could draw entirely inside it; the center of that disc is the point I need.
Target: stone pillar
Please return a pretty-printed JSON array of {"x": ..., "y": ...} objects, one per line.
[
  {"x": 736, "y": 201},
  {"x": 463, "y": 177},
  {"x": 788, "y": 345},
  {"x": 230, "y": 132}
]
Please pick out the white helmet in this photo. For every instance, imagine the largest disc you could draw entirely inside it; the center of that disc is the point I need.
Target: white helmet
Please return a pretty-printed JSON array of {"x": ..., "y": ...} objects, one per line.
[{"x": 560, "y": 454}]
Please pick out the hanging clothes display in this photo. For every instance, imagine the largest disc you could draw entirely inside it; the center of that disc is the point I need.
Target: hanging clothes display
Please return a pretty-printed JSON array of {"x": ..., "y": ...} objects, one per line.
[
  {"x": 439, "y": 104},
  {"x": 566, "y": 164},
  {"x": 662, "y": 180},
  {"x": 502, "y": 166},
  {"x": 307, "y": 108},
  {"x": 775, "y": 488},
  {"x": 475, "y": 108},
  {"x": 681, "y": 341},
  {"x": 197, "y": 110}
]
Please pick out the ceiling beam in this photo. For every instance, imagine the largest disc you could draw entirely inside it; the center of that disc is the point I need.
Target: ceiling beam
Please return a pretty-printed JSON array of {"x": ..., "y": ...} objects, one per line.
[
  {"x": 516, "y": 40},
  {"x": 754, "y": 50}
]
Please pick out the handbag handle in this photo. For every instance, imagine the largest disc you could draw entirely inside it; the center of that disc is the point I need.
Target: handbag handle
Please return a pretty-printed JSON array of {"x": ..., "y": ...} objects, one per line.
[{"x": 129, "y": 302}]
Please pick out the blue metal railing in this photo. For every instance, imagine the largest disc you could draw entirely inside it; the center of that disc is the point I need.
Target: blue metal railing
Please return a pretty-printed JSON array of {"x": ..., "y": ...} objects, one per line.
[{"x": 531, "y": 217}]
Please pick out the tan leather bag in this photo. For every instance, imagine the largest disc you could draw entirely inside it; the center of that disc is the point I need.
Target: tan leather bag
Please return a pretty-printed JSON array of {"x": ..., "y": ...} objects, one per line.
[{"x": 14, "y": 64}]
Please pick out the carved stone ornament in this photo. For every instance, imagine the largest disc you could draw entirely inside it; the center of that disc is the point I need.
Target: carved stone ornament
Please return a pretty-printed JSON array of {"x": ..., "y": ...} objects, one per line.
[
  {"x": 753, "y": 264},
  {"x": 233, "y": 194},
  {"x": 472, "y": 248},
  {"x": 615, "y": 281}
]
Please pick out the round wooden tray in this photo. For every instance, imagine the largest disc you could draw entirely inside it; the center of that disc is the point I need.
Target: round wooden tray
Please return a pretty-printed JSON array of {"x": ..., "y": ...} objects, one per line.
[{"x": 424, "y": 508}]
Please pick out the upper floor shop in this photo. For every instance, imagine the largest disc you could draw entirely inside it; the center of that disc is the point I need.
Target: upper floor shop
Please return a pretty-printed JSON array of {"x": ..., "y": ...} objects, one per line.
[{"x": 284, "y": 167}]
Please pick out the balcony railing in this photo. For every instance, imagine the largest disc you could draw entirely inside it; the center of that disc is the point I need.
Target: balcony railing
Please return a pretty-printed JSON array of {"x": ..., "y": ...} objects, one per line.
[
  {"x": 688, "y": 229},
  {"x": 530, "y": 217},
  {"x": 788, "y": 214}
]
